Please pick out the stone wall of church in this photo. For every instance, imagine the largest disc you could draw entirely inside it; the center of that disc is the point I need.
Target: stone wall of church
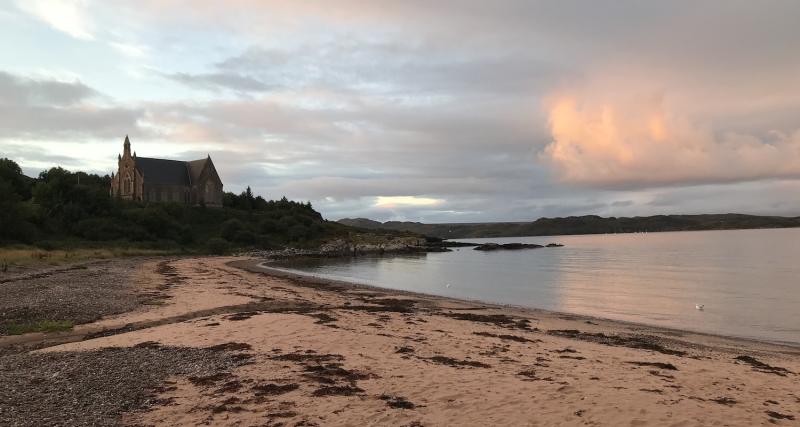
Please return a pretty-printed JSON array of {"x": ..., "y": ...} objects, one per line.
[
  {"x": 166, "y": 194},
  {"x": 208, "y": 189}
]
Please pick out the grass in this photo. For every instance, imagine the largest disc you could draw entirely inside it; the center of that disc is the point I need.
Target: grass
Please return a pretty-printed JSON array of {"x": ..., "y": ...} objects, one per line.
[
  {"x": 27, "y": 256},
  {"x": 40, "y": 326}
]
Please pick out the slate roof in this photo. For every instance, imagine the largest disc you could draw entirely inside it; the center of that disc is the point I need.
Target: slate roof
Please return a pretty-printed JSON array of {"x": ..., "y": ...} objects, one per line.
[{"x": 163, "y": 172}]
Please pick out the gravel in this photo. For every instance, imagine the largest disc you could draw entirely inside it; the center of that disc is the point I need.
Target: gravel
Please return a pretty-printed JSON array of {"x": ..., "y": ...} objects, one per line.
[
  {"x": 81, "y": 294},
  {"x": 96, "y": 387}
]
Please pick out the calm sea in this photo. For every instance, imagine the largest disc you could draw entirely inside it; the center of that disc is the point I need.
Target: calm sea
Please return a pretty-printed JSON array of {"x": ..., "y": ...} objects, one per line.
[{"x": 748, "y": 280}]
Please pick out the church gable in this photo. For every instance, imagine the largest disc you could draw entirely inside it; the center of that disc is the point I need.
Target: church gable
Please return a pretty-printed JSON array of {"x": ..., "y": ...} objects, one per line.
[{"x": 206, "y": 184}]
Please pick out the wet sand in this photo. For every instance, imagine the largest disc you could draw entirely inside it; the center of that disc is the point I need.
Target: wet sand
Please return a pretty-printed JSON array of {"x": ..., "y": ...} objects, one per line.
[{"x": 305, "y": 351}]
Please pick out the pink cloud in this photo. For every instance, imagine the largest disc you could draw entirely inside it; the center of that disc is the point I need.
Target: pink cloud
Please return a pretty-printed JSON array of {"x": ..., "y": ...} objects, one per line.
[{"x": 620, "y": 142}]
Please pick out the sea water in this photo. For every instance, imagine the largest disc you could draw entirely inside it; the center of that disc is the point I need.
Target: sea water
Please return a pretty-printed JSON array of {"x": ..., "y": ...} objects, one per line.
[{"x": 748, "y": 281}]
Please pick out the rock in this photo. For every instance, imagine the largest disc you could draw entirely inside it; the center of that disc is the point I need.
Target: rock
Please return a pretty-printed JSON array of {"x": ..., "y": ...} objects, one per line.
[
  {"x": 506, "y": 246},
  {"x": 449, "y": 244}
]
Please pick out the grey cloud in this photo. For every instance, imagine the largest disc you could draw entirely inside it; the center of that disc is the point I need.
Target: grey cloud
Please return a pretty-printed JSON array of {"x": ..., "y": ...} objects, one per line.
[
  {"x": 37, "y": 109},
  {"x": 767, "y": 197},
  {"x": 622, "y": 203},
  {"x": 218, "y": 81},
  {"x": 16, "y": 90},
  {"x": 394, "y": 68},
  {"x": 49, "y": 122},
  {"x": 26, "y": 154}
]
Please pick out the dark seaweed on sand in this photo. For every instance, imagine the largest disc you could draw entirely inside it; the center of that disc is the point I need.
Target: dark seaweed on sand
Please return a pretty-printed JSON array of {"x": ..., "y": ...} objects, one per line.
[
  {"x": 397, "y": 402},
  {"x": 763, "y": 367},
  {"x": 495, "y": 319},
  {"x": 643, "y": 342},
  {"x": 449, "y": 361},
  {"x": 660, "y": 365}
]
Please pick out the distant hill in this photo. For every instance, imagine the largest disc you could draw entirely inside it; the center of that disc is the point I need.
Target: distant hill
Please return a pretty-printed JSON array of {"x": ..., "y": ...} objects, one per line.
[{"x": 587, "y": 224}]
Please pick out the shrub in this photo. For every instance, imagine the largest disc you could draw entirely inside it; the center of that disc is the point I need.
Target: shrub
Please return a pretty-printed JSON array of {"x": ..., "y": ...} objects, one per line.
[
  {"x": 244, "y": 237},
  {"x": 268, "y": 225},
  {"x": 266, "y": 242},
  {"x": 299, "y": 232},
  {"x": 185, "y": 236},
  {"x": 46, "y": 245},
  {"x": 231, "y": 228},
  {"x": 99, "y": 229},
  {"x": 287, "y": 222},
  {"x": 217, "y": 246}
]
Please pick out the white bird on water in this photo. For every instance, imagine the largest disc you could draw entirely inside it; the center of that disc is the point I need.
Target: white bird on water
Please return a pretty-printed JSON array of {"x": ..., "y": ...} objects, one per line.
[
  {"x": 447, "y": 285},
  {"x": 699, "y": 306}
]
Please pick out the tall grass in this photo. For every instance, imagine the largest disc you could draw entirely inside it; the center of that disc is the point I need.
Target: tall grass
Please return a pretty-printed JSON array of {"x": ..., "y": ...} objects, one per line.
[
  {"x": 26, "y": 256},
  {"x": 40, "y": 326}
]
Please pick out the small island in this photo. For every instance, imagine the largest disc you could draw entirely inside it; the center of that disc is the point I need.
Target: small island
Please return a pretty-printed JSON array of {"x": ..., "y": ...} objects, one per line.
[{"x": 513, "y": 246}]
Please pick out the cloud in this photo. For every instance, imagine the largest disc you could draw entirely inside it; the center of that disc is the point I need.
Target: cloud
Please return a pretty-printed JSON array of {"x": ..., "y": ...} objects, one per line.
[
  {"x": 68, "y": 16},
  {"x": 132, "y": 50},
  {"x": 343, "y": 103},
  {"x": 218, "y": 81},
  {"x": 395, "y": 201},
  {"x": 16, "y": 90},
  {"x": 42, "y": 109},
  {"x": 644, "y": 143},
  {"x": 362, "y": 64}
]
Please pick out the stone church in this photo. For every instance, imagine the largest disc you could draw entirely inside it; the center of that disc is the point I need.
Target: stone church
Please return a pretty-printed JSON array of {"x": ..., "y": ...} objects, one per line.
[{"x": 145, "y": 179}]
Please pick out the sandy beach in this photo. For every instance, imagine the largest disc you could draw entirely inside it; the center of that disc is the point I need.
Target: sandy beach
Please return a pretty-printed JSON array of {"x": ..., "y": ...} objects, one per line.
[{"x": 223, "y": 341}]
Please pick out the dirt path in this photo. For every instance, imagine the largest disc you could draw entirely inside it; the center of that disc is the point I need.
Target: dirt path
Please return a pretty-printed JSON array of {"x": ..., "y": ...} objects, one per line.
[{"x": 306, "y": 352}]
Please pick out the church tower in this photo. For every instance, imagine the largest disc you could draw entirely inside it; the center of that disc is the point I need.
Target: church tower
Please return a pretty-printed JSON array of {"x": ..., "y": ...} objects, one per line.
[{"x": 127, "y": 183}]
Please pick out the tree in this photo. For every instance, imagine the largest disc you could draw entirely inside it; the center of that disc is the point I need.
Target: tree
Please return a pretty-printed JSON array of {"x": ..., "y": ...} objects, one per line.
[
  {"x": 13, "y": 222},
  {"x": 11, "y": 173}
]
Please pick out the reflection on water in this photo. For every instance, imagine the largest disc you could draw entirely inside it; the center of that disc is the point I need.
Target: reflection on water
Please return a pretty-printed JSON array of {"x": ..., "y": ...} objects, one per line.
[{"x": 749, "y": 280}]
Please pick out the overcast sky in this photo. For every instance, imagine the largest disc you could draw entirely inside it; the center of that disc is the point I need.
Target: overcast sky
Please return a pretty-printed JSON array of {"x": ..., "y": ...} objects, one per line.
[{"x": 443, "y": 111}]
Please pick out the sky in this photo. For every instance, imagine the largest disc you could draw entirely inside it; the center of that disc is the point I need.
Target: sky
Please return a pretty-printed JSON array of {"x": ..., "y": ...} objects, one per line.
[{"x": 445, "y": 111}]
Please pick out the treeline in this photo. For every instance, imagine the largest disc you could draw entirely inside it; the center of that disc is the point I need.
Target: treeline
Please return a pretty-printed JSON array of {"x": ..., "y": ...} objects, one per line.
[
  {"x": 587, "y": 224},
  {"x": 60, "y": 208}
]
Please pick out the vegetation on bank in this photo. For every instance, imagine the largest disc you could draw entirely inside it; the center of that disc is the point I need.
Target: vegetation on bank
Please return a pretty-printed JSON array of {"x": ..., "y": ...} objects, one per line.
[
  {"x": 26, "y": 255},
  {"x": 39, "y": 326},
  {"x": 71, "y": 214},
  {"x": 588, "y": 224}
]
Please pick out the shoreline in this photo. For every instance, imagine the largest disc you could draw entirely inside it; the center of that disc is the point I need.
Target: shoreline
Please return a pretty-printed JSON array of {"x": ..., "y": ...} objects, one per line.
[
  {"x": 309, "y": 277},
  {"x": 235, "y": 343}
]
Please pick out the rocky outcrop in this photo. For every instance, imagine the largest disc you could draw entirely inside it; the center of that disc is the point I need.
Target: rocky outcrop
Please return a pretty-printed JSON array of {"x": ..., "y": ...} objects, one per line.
[
  {"x": 347, "y": 247},
  {"x": 512, "y": 246}
]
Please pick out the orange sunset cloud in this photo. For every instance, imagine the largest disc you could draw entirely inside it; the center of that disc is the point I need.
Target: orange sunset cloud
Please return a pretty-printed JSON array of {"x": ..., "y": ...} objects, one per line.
[{"x": 645, "y": 142}]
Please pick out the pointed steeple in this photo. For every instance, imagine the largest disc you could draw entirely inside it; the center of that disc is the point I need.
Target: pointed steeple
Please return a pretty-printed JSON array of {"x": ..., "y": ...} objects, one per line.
[{"x": 127, "y": 146}]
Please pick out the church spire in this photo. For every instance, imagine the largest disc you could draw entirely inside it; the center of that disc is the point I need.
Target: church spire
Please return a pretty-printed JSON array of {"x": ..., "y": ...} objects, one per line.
[{"x": 127, "y": 146}]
